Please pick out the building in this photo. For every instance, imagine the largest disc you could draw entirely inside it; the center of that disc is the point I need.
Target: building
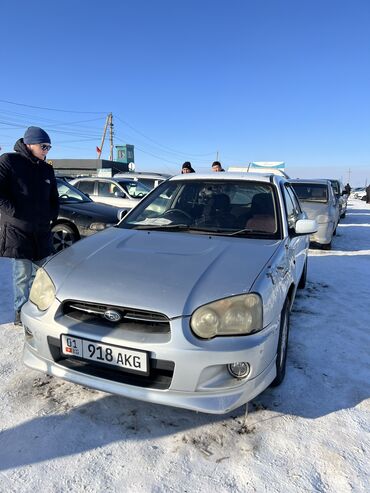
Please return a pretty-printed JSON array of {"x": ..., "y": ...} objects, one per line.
[{"x": 77, "y": 167}]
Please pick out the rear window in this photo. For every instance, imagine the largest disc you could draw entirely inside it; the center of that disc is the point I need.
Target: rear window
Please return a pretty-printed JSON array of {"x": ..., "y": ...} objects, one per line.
[{"x": 311, "y": 192}]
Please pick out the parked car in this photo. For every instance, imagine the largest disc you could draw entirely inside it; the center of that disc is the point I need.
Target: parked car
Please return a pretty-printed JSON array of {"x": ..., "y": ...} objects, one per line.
[
  {"x": 341, "y": 196},
  {"x": 319, "y": 202},
  {"x": 120, "y": 192},
  {"x": 150, "y": 180},
  {"x": 358, "y": 193},
  {"x": 186, "y": 302},
  {"x": 79, "y": 216}
]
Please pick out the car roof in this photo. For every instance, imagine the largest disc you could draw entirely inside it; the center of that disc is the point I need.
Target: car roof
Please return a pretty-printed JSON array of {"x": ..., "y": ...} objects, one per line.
[
  {"x": 142, "y": 174},
  {"x": 231, "y": 176},
  {"x": 103, "y": 178},
  {"x": 320, "y": 181}
]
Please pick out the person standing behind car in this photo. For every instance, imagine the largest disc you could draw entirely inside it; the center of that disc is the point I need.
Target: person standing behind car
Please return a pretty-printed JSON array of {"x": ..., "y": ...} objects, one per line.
[
  {"x": 187, "y": 168},
  {"x": 28, "y": 204},
  {"x": 216, "y": 166}
]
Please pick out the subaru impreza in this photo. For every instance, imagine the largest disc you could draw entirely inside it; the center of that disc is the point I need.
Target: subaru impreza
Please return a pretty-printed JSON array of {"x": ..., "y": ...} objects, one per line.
[{"x": 185, "y": 302}]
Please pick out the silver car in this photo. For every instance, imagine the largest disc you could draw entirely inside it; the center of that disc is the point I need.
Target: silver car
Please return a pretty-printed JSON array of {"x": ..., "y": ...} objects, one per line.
[
  {"x": 319, "y": 202},
  {"x": 120, "y": 192},
  {"x": 186, "y": 302}
]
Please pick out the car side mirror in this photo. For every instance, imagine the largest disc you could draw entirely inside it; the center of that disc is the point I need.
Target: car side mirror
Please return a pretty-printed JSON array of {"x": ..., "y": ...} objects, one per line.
[{"x": 305, "y": 227}]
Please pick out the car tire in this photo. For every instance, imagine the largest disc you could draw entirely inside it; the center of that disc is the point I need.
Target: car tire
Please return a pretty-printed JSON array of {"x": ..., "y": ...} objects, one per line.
[
  {"x": 282, "y": 348},
  {"x": 63, "y": 236},
  {"x": 327, "y": 246},
  {"x": 303, "y": 279}
]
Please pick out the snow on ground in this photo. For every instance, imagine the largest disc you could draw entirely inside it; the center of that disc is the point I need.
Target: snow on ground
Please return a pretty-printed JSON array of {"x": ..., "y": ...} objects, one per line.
[{"x": 311, "y": 434}]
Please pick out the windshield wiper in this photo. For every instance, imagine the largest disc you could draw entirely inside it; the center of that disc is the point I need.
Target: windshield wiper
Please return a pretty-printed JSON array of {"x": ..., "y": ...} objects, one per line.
[
  {"x": 250, "y": 231},
  {"x": 162, "y": 227}
]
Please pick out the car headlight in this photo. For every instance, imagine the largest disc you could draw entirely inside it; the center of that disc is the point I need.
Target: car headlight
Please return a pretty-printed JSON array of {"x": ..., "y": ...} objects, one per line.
[
  {"x": 237, "y": 315},
  {"x": 322, "y": 218},
  {"x": 100, "y": 226},
  {"x": 42, "y": 292}
]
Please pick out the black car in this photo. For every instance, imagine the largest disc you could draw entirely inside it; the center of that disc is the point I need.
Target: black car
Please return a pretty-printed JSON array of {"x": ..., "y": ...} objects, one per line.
[{"x": 79, "y": 216}]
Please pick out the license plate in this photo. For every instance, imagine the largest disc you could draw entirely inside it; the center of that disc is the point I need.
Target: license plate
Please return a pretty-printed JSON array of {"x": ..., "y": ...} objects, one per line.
[{"x": 130, "y": 360}]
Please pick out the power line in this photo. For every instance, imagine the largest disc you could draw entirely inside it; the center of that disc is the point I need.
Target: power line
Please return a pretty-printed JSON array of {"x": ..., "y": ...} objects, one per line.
[
  {"x": 52, "y": 109},
  {"x": 161, "y": 145}
]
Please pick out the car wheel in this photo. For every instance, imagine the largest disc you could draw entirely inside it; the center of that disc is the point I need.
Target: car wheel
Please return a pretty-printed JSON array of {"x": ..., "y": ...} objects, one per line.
[
  {"x": 63, "y": 237},
  {"x": 302, "y": 281},
  {"x": 282, "y": 348},
  {"x": 327, "y": 246}
]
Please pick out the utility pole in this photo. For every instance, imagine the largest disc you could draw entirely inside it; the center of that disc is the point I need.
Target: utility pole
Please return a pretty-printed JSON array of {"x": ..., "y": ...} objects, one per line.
[
  {"x": 100, "y": 149},
  {"x": 349, "y": 175},
  {"x": 217, "y": 156},
  {"x": 111, "y": 137}
]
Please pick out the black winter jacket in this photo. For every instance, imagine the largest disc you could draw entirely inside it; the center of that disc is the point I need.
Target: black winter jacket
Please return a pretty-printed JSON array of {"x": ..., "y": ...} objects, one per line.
[{"x": 28, "y": 203}]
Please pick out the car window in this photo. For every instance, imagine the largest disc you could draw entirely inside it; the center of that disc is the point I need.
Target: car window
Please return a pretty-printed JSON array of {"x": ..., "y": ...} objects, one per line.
[
  {"x": 68, "y": 194},
  {"x": 292, "y": 207},
  {"x": 135, "y": 189},
  {"x": 336, "y": 186},
  {"x": 223, "y": 207},
  {"x": 149, "y": 183},
  {"x": 86, "y": 186},
  {"x": 311, "y": 192},
  {"x": 109, "y": 189}
]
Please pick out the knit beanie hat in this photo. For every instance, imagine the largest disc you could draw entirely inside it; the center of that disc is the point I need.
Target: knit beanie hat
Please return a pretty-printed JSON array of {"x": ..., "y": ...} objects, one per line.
[
  {"x": 187, "y": 165},
  {"x": 36, "y": 135}
]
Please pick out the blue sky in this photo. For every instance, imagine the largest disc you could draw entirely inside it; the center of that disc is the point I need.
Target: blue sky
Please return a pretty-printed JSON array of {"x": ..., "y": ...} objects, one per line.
[{"x": 254, "y": 80}]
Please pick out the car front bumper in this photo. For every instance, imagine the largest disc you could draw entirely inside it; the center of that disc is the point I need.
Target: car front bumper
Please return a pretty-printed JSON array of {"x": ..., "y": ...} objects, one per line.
[{"x": 200, "y": 380}]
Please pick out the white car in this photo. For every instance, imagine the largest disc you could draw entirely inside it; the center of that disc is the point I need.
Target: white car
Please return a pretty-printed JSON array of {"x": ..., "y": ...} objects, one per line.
[
  {"x": 359, "y": 193},
  {"x": 120, "y": 192},
  {"x": 319, "y": 202},
  {"x": 186, "y": 302}
]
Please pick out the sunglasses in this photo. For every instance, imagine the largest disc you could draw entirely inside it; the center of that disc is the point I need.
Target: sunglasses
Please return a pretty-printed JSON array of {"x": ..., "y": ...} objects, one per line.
[{"x": 45, "y": 147}]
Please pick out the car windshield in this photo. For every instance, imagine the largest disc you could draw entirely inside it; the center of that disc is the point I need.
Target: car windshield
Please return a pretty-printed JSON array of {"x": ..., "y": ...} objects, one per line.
[
  {"x": 311, "y": 192},
  {"x": 69, "y": 194},
  {"x": 135, "y": 189},
  {"x": 224, "y": 207}
]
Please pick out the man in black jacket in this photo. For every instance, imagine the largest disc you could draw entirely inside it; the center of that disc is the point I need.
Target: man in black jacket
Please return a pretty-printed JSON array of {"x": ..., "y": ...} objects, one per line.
[{"x": 28, "y": 204}]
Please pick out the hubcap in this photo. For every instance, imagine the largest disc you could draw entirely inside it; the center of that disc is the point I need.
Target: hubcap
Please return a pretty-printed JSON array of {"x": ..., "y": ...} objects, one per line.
[{"x": 62, "y": 239}]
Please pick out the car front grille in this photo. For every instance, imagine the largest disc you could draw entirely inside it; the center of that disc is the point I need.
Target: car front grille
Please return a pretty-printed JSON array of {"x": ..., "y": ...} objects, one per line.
[
  {"x": 93, "y": 313},
  {"x": 160, "y": 373}
]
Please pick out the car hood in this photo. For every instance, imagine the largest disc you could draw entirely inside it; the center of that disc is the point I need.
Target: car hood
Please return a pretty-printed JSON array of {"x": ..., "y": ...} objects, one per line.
[
  {"x": 102, "y": 212},
  {"x": 313, "y": 209},
  {"x": 170, "y": 273}
]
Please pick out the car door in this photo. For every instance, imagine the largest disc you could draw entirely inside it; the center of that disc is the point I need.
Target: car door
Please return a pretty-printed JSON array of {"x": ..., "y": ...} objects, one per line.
[
  {"x": 110, "y": 192},
  {"x": 333, "y": 206},
  {"x": 296, "y": 245}
]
